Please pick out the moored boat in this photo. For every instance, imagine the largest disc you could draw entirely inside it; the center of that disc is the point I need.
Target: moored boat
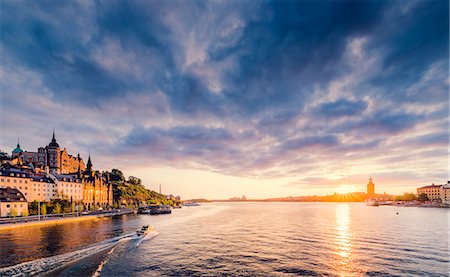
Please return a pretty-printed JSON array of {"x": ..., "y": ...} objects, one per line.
[
  {"x": 191, "y": 204},
  {"x": 155, "y": 209},
  {"x": 372, "y": 202}
]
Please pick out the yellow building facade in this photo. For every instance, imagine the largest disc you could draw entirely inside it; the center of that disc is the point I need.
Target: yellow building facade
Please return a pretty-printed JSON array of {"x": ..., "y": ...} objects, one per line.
[
  {"x": 97, "y": 190},
  {"x": 12, "y": 203},
  {"x": 433, "y": 192}
]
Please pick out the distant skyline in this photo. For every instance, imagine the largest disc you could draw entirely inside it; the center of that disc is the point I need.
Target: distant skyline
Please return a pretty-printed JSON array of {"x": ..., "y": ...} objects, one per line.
[{"x": 215, "y": 99}]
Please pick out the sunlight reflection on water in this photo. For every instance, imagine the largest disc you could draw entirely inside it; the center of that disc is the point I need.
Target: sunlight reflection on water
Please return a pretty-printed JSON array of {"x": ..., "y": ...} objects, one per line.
[{"x": 343, "y": 236}]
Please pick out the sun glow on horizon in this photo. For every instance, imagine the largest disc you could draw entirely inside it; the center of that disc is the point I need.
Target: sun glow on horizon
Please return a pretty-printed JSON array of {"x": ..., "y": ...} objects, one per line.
[{"x": 344, "y": 189}]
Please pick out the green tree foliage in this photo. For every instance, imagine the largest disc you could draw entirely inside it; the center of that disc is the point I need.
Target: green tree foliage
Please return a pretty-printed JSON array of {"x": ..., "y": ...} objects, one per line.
[
  {"x": 132, "y": 191},
  {"x": 43, "y": 209},
  {"x": 57, "y": 209},
  {"x": 65, "y": 205},
  {"x": 25, "y": 213},
  {"x": 13, "y": 212},
  {"x": 116, "y": 175},
  {"x": 134, "y": 180},
  {"x": 423, "y": 197},
  {"x": 33, "y": 207},
  {"x": 406, "y": 197}
]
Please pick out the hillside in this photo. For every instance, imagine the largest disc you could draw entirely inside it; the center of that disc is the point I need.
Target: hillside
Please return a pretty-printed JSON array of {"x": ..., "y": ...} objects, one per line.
[{"x": 131, "y": 192}]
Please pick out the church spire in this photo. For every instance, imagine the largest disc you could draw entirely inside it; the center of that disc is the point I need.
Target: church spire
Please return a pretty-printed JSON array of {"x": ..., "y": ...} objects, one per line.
[
  {"x": 89, "y": 165},
  {"x": 53, "y": 143}
]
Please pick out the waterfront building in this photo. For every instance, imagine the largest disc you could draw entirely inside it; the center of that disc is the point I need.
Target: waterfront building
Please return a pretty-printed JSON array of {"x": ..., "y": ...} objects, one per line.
[
  {"x": 444, "y": 192},
  {"x": 97, "y": 190},
  {"x": 58, "y": 161},
  {"x": 68, "y": 187},
  {"x": 89, "y": 187},
  {"x": 12, "y": 203},
  {"x": 63, "y": 177},
  {"x": 35, "y": 187},
  {"x": 370, "y": 186},
  {"x": 433, "y": 192}
]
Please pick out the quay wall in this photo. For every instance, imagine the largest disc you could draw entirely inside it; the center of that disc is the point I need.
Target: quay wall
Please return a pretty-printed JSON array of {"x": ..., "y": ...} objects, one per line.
[{"x": 46, "y": 222}]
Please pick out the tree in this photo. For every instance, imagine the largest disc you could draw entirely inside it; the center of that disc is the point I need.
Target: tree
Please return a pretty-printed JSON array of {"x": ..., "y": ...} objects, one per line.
[
  {"x": 134, "y": 180},
  {"x": 43, "y": 209},
  {"x": 57, "y": 209},
  {"x": 33, "y": 207},
  {"x": 13, "y": 212},
  {"x": 423, "y": 197},
  {"x": 117, "y": 175},
  {"x": 410, "y": 196},
  {"x": 72, "y": 207},
  {"x": 25, "y": 213}
]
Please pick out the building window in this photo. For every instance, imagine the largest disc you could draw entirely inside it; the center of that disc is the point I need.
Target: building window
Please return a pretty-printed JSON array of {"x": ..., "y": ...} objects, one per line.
[
  {"x": 7, "y": 206},
  {"x": 7, "y": 180}
]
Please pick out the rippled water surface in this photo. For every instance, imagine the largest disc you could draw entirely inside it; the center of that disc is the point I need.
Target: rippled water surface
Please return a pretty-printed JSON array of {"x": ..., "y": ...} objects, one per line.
[{"x": 261, "y": 239}]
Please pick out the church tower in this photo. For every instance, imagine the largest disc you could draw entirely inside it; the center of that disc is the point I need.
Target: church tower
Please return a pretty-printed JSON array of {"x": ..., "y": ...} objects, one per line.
[
  {"x": 89, "y": 166},
  {"x": 54, "y": 156},
  {"x": 370, "y": 186}
]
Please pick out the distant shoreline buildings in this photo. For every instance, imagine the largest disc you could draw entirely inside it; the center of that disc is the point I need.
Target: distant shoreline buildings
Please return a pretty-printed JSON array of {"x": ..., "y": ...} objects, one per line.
[
  {"x": 439, "y": 193},
  {"x": 52, "y": 173}
]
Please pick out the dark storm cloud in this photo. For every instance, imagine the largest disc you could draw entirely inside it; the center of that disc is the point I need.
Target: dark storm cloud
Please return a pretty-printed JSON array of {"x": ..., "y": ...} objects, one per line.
[
  {"x": 415, "y": 40},
  {"x": 237, "y": 86},
  {"x": 294, "y": 46}
]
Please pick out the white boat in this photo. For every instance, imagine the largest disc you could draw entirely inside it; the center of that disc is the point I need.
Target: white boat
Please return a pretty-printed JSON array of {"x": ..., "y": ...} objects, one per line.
[
  {"x": 191, "y": 204},
  {"x": 144, "y": 230},
  {"x": 372, "y": 202}
]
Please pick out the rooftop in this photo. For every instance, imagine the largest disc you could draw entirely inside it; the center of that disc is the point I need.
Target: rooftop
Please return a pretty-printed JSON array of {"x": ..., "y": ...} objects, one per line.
[
  {"x": 11, "y": 195},
  {"x": 431, "y": 186}
]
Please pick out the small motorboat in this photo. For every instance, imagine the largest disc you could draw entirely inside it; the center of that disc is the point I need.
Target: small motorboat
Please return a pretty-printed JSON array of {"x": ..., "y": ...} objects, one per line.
[{"x": 143, "y": 231}]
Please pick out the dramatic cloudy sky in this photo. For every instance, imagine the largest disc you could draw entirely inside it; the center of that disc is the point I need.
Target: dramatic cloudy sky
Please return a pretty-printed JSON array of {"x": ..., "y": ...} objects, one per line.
[{"x": 222, "y": 98}]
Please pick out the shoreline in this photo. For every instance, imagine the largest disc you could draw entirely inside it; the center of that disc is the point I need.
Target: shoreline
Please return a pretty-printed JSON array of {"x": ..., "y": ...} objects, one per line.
[
  {"x": 10, "y": 226},
  {"x": 298, "y": 201}
]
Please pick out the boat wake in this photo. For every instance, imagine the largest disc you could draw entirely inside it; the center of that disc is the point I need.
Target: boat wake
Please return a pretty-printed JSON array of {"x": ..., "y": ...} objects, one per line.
[
  {"x": 148, "y": 236},
  {"x": 45, "y": 265}
]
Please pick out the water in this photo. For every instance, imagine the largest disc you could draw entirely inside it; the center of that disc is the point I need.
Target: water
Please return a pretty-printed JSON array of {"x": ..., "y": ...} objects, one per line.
[{"x": 258, "y": 239}]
